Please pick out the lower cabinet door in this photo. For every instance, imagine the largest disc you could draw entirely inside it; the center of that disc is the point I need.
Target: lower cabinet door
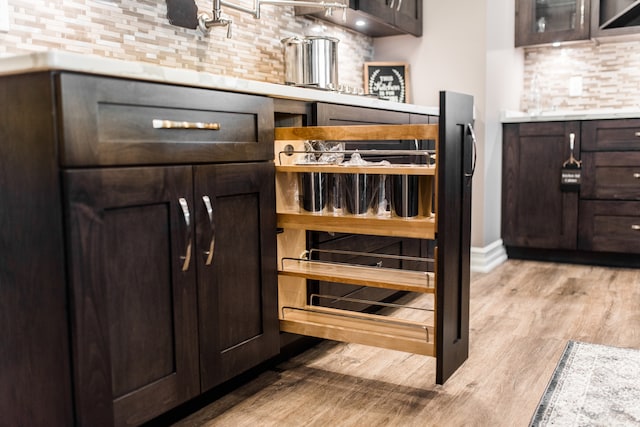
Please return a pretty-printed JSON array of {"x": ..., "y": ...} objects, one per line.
[
  {"x": 536, "y": 213},
  {"x": 237, "y": 276},
  {"x": 132, "y": 291},
  {"x": 610, "y": 226}
]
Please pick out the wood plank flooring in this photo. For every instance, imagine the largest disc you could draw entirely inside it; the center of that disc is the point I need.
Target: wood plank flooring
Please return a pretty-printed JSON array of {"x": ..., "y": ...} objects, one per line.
[{"x": 522, "y": 314}]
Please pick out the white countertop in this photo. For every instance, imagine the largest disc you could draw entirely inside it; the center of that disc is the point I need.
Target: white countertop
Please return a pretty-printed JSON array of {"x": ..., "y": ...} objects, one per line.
[
  {"x": 568, "y": 115},
  {"x": 67, "y": 61}
]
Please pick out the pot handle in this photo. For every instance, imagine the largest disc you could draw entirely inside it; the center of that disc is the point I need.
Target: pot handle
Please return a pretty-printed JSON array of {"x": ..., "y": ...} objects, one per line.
[{"x": 295, "y": 39}]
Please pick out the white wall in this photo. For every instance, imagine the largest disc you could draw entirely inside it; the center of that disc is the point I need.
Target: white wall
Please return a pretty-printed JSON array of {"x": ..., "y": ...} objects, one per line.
[{"x": 467, "y": 47}]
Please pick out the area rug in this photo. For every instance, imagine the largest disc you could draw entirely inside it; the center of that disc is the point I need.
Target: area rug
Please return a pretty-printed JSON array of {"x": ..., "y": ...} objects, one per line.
[{"x": 593, "y": 385}]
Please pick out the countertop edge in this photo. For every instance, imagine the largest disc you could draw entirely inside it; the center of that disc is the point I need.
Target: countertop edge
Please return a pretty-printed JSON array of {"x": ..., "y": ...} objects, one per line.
[
  {"x": 52, "y": 60},
  {"x": 571, "y": 116}
]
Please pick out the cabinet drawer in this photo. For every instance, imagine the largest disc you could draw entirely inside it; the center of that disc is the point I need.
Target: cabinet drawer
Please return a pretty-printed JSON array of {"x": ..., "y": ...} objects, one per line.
[
  {"x": 107, "y": 121},
  {"x": 610, "y": 226},
  {"x": 611, "y": 135},
  {"x": 613, "y": 175}
]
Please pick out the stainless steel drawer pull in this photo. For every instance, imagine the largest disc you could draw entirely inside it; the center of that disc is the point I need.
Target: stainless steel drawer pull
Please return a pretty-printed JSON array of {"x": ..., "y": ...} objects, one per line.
[
  {"x": 636, "y": 175},
  {"x": 187, "y": 221},
  {"x": 212, "y": 241},
  {"x": 170, "y": 124},
  {"x": 635, "y": 227},
  {"x": 638, "y": 134}
]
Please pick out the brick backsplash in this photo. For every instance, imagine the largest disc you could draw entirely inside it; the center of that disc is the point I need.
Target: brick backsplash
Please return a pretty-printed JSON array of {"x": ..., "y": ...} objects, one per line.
[
  {"x": 138, "y": 30},
  {"x": 610, "y": 75}
]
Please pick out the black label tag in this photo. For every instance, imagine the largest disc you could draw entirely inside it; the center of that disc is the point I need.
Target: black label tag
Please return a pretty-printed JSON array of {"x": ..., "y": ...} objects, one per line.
[{"x": 570, "y": 178}]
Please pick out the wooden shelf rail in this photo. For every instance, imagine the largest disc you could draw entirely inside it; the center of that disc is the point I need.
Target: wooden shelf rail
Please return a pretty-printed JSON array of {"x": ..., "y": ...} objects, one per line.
[
  {"x": 359, "y": 132},
  {"x": 360, "y": 328},
  {"x": 398, "y": 169},
  {"x": 416, "y": 227},
  {"x": 378, "y": 277}
]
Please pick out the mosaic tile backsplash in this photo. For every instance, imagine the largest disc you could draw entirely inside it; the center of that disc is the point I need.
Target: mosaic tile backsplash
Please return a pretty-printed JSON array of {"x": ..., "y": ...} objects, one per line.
[
  {"x": 138, "y": 30},
  {"x": 610, "y": 75}
]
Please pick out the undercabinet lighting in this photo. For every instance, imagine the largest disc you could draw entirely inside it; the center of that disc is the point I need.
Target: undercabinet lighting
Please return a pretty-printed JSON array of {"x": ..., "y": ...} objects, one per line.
[
  {"x": 360, "y": 23},
  {"x": 555, "y": 44}
]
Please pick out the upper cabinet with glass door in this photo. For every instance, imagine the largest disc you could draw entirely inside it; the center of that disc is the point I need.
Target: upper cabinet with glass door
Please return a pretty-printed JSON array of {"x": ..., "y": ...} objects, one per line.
[{"x": 549, "y": 21}]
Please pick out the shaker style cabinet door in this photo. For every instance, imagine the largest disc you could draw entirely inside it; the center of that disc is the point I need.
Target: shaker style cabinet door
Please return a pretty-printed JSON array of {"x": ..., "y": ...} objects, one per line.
[
  {"x": 549, "y": 21},
  {"x": 535, "y": 212},
  {"x": 236, "y": 257},
  {"x": 133, "y": 294}
]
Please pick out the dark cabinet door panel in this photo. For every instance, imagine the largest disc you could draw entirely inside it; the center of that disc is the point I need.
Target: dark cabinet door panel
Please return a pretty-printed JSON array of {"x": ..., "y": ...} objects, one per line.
[
  {"x": 145, "y": 356},
  {"x": 611, "y": 135},
  {"x": 611, "y": 175},
  {"x": 535, "y": 212},
  {"x": 133, "y": 311},
  {"x": 610, "y": 226},
  {"x": 237, "y": 291},
  {"x": 107, "y": 121}
]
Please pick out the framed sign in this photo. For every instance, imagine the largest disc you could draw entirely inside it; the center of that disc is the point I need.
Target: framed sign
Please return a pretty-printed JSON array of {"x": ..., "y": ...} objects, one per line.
[{"x": 388, "y": 80}]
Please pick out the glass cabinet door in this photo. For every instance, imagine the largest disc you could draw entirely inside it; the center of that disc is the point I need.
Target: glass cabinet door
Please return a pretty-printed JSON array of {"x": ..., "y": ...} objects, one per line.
[{"x": 549, "y": 21}]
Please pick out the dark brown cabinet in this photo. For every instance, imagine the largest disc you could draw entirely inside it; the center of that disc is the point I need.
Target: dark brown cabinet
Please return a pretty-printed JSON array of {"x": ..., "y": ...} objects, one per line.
[
  {"x": 600, "y": 223},
  {"x": 539, "y": 22},
  {"x": 536, "y": 213},
  {"x": 380, "y": 17},
  {"x": 133, "y": 292},
  {"x": 141, "y": 246},
  {"x": 610, "y": 196},
  {"x": 549, "y": 21},
  {"x": 158, "y": 271}
]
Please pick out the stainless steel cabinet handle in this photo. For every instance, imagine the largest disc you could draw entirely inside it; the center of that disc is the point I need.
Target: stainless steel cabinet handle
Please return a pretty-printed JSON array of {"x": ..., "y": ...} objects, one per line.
[
  {"x": 170, "y": 124},
  {"x": 638, "y": 134},
  {"x": 635, "y": 227},
  {"x": 472, "y": 133},
  {"x": 187, "y": 220},
  {"x": 399, "y": 5},
  {"x": 212, "y": 242},
  {"x": 636, "y": 175},
  {"x": 391, "y": 4}
]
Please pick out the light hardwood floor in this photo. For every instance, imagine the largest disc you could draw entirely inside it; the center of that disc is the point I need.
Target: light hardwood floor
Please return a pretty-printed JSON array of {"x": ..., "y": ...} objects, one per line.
[{"x": 522, "y": 314}]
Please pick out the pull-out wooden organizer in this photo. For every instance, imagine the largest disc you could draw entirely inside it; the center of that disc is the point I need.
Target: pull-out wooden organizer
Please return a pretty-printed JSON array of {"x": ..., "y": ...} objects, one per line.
[{"x": 443, "y": 332}]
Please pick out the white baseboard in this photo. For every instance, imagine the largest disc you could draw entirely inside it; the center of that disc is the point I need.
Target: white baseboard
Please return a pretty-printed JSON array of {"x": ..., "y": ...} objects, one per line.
[{"x": 485, "y": 259}]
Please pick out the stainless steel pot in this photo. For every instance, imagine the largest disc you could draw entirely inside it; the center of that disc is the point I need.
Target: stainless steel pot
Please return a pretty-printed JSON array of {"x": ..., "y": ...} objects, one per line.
[{"x": 311, "y": 61}]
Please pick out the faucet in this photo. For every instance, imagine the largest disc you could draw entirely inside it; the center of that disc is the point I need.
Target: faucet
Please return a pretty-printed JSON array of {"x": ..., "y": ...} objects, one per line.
[{"x": 206, "y": 21}]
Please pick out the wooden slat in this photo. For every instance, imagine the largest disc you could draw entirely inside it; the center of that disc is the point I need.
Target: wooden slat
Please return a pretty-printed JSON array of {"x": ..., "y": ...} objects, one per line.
[
  {"x": 403, "y": 336},
  {"x": 359, "y": 133},
  {"x": 403, "y": 169},
  {"x": 390, "y": 278},
  {"x": 416, "y": 227}
]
